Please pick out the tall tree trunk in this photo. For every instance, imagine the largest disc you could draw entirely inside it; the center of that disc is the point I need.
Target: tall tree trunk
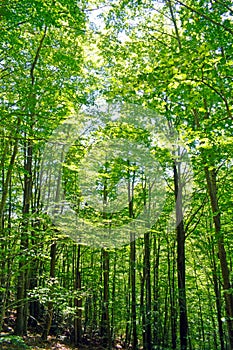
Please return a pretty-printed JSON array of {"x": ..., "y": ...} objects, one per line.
[
  {"x": 6, "y": 184},
  {"x": 180, "y": 226},
  {"x": 165, "y": 328},
  {"x": 211, "y": 180},
  {"x": 181, "y": 259},
  {"x": 146, "y": 326},
  {"x": 218, "y": 299},
  {"x": 34, "y": 305},
  {"x": 113, "y": 296},
  {"x": 78, "y": 302},
  {"x": 211, "y": 175},
  {"x": 105, "y": 326},
  {"x": 49, "y": 313},
  {"x": 156, "y": 253},
  {"x": 128, "y": 308},
  {"x": 22, "y": 307},
  {"x": 201, "y": 327},
  {"x": 132, "y": 262},
  {"x": 105, "y": 322},
  {"x": 147, "y": 277},
  {"x": 7, "y": 178},
  {"x": 171, "y": 281},
  {"x": 133, "y": 291},
  {"x": 142, "y": 306}
]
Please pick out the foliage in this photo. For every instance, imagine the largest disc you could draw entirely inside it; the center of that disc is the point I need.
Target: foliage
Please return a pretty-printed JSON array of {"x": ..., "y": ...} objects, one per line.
[{"x": 13, "y": 341}]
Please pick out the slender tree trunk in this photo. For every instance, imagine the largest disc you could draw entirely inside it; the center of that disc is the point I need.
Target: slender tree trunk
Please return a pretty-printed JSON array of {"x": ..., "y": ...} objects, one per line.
[
  {"x": 165, "y": 330},
  {"x": 105, "y": 326},
  {"x": 78, "y": 302},
  {"x": 142, "y": 306},
  {"x": 147, "y": 277},
  {"x": 19, "y": 326},
  {"x": 49, "y": 314},
  {"x": 201, "y": 327},
  {"x": 113, "y": 297},
  {"x": 105, "y": 322},
  {"x": 228, "y": 296},
  {"x": 181, "y": 260},
  {"x": 171, "y": 279},
  {"x": 132, "y": 264},
  {"x": 95, "y": 303},
  {"x": 6, "y": 184},
  {"x": 156, "y": 253},
  {"x": 133, "y": 291},
  {"x": 217, "y": 296},
  {"x": 211, "y": 180},
  {"x": 22, "y": 307},
  {"x": 34, "y": 305},
  {"x": 128, "y": 308},
  {"x": 146, "y": 326},
  {"x": 180, "y": 227}
]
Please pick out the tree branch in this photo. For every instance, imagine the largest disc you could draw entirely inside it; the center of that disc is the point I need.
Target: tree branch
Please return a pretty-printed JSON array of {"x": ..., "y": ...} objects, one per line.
[
  {"x": 37, "y": 57},
  {"x": 208, "y": 18}
]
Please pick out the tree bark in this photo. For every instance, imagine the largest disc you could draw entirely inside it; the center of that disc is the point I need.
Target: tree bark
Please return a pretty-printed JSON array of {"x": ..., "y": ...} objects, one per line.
[
  {"x": 156, "y": 253},
  {"x": 78, "y": 303},
  {"x": 49, "y": 314},
  {"x": 105, "y": 322},
  {"x": 105, "y": 326},
  {"x": 147, "y": 278},
  {"x": 171, "y": 281},
  {"x": 132, "y": 263},
  {"x": 181, "y": 260},
  {"x": 217, "y": 297},
  {"x": 22, "y": 307},
  {"x": 211, "y": 175}
]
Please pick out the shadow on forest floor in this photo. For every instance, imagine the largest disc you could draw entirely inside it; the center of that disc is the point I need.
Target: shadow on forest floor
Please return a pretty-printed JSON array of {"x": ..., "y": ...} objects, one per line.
[{"x": 35, "y": 343}]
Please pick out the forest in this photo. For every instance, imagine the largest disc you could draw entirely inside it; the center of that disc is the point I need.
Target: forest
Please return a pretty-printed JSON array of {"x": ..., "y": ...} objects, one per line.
[{"x": 116, "y": 175}]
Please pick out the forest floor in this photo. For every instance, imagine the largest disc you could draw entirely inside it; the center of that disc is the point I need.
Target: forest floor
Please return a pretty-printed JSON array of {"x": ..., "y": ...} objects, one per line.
[
  {"x": 53, "y": 343},
  {"x": 34, "y": 342}
]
